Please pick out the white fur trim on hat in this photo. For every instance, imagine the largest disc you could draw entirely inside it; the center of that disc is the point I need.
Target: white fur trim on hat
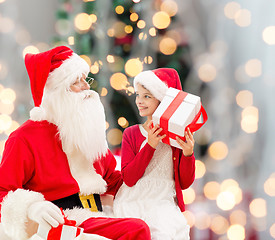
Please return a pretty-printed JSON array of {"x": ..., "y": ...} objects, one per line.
[
  {"x": 152, "y": 83},
  {"x": 68, "y": 72},
  {"x": 14, "y": 210}
]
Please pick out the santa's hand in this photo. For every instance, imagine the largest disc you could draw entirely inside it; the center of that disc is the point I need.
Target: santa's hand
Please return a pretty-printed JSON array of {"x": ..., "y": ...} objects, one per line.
[{"x": 45, "y": 213}]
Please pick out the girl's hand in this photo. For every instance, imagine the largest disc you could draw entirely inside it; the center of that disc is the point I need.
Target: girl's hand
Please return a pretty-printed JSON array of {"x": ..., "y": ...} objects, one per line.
[
  {"x": 187, "y": 146},
  {"x": 153, "y": 134}
]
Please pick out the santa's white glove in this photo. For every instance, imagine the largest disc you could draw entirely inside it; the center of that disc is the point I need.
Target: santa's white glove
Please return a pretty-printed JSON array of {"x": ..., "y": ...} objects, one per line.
[{"x": 46, "y": 214}]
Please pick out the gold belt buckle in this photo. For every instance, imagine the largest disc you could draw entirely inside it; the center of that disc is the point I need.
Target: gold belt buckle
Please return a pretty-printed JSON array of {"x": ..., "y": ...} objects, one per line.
[{"x": 91, "y": 202}]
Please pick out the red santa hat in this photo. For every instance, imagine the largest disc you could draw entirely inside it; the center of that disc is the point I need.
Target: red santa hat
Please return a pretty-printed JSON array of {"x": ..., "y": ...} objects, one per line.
[
  {"x": 60, "y": 64},
  {"x": 158, "y": 81}
]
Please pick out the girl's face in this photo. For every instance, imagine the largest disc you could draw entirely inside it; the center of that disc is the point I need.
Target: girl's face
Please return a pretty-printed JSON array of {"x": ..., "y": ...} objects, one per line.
[{"x": 145, "y": 102}]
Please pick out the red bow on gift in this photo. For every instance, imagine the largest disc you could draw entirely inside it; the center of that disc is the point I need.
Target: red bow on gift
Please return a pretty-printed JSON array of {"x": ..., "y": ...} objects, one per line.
[{"x": 56, "y": 233}]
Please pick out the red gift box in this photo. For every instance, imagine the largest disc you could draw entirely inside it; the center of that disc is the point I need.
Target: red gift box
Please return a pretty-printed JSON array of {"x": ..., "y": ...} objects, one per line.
[
  {"x": 66, "y": 231},
  {"x": 178, "y": 111}
]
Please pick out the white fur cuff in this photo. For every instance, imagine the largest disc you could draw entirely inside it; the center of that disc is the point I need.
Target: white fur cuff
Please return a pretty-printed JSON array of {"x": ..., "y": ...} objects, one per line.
[{"x": 14, "y": 212}]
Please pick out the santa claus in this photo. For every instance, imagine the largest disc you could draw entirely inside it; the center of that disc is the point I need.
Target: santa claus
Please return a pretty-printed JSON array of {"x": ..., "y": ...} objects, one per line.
[{"x": 59, "y": 158}]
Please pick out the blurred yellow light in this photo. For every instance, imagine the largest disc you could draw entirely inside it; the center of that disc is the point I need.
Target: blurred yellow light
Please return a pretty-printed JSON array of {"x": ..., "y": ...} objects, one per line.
[
  {"x": 71, "y": 40},
  {"x": 93, "y": 18},
  {"x": 244, "y": 98},
  {"x": 161, "y": 20},
  {"x": 200, "y": 169},
  {"x": 218, "y": 150},
  {"x": 119, "y": 9},
  {"x": 1, "y": 1},
  {"x": 131, "y": 90},
  {"x": 7, "y": 96},
  {"x": 133, "y": 67},
  {"x": 5, "y": 122},
  {"x": 202, "y": 220},
  {"x": 219, "y": 224},
  {"x": 170, "y": 7},
  {"x": 6, "y": 108},
  {"x": 88, "y": 0},
  {"x": 87, "y": 59},
  {"x": 107, "y": 125},
  {"x": 269, "y": 186},
  {"x": 142, "y": 36},
  {"x": 13, "y": 127},
  {"x": 190, "y": 218},
  {"x": 111, "y": 32},
  {"x": 250, "y": 118},
  {"x": 207, "y": 72},
  {"x": 122, "y": 121},
  {"x": 141, "y": 24},
  {"x": 82, "y": 22},
  {"x": 253, "y": 68},
  {"x": 167, "y": 46},
  {"x": 148, "y": 59},
  {"x": 238, "y": 217},
  {"x": 119, "y": 81},
  {"x": 114, "y": 136},
  {"x": 110, "y": 59},
  {"x": 30, "y": 49},
  {"x": 211, "y": 190},
  {"x": 119, "y": 29},
  {"x": 272, "y": 230},
  {"x": 226, "y": 200},
  {"x": 94, "y": 69},
  {"x": 189, "y": 195},
  {"x": 104, "y": 92},
  {"x": 152, "y": 31},
  {"x": 269, "y": 35},
  {"x": 128, "y": 29},
  {"x": 236, "y": 232},
  {"x": 228, "y": 183},
  {"x": 258, "y": 207},
  {"x": 134, "y": 17},
  {"x": 231, "y": 9},
  {"x": 243, "y": 18}
]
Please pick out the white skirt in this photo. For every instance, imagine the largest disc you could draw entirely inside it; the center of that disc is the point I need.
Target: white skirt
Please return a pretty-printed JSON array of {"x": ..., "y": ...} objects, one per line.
[{"x": 152, "y": 200}]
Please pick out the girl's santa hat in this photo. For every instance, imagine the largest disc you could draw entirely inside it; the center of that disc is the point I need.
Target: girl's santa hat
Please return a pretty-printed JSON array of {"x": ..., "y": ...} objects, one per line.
[
  {"x": 158, "y": 81},
  {"x": 57, "y": 68}
]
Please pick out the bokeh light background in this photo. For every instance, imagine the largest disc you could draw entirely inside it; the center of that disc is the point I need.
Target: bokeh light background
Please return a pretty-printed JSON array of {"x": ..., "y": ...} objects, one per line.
[{"x": 232, "y": 45}]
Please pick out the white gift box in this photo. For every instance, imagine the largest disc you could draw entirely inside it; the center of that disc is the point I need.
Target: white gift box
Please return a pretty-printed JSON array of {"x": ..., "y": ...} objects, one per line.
[
  {"x": 62, "y": 232},
  {"x": 176, "y": 111}
]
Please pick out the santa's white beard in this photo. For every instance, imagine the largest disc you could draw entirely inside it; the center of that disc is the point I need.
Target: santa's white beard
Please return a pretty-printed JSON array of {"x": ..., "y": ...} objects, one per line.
[{"x": 80, "y": 119}]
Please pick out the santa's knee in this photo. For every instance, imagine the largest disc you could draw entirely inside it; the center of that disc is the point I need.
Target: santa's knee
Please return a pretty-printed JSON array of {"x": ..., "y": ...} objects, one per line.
[{"x": 141, "y": 229}]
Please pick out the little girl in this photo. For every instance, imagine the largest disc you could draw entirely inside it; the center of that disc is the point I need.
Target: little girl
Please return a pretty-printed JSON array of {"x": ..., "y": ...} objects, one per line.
[{"x": 155, "y": 173}]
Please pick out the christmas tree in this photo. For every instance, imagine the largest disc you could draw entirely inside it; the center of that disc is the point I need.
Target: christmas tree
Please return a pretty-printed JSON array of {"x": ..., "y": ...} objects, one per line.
[{"x": 119, "y": 39}]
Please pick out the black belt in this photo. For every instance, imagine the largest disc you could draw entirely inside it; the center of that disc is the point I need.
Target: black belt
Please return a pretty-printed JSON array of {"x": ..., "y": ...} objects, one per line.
[{"x": 91, "y": 202}]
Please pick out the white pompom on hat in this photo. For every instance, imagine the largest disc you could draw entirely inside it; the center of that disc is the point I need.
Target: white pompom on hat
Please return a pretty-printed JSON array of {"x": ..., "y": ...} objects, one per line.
[{"x": 157, "y": 81}]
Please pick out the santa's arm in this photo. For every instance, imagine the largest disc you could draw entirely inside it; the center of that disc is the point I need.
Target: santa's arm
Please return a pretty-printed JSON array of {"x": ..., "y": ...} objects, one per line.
[
  {"x": 111, "y": 175},
  {"x": 15, "y": 169}
]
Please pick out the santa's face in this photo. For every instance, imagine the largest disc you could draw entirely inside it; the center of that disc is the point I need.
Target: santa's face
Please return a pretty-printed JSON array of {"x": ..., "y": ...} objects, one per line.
[{"x": 80, "y": 84}]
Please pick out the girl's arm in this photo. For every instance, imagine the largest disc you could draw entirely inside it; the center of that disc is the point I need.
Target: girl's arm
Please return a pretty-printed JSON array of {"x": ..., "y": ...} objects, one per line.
[
  {"x": 134, "y": 162},
  {"x": 186, "y": 170}
]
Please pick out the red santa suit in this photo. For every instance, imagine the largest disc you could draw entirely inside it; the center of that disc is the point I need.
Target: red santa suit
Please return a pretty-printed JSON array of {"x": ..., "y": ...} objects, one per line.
[{"x": 35, "y": 167}]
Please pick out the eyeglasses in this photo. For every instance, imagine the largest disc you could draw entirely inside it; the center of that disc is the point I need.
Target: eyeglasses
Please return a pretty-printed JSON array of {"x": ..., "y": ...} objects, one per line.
[{"x": 89, "y": 80}]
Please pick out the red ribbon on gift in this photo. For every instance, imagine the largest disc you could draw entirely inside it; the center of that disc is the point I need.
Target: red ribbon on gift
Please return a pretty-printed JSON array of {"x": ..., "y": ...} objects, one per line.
[
  {"x": 164, "y": 119},
  {"x": 55, "y": 233}
]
